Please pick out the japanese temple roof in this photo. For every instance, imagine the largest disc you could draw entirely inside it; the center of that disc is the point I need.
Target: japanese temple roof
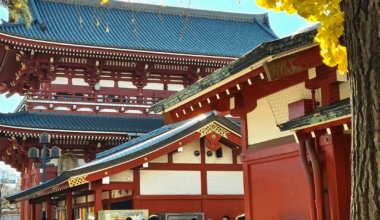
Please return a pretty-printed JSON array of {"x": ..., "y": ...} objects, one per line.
[
  {"x": 255, "y": 57},
  {"x": 216, "y": 33},
  {"x": 139, "y": 147},
  {"x": 80, "y": 122},
  {"x": 326, "y": 113}
]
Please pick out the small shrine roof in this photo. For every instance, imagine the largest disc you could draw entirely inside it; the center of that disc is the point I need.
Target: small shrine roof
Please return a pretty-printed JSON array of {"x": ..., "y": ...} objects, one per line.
[
  {"x": 255, "y": 57},
  {"x": 208, "y": 33},
  {"x": 326, "y": 113},
  {"x": 80, "y": 122},
  {"x": 132, "y": 150}
]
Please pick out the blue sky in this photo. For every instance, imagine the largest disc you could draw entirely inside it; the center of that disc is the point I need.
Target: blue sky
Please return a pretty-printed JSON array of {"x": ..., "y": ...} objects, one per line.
[{"x": 282, "y": 23}]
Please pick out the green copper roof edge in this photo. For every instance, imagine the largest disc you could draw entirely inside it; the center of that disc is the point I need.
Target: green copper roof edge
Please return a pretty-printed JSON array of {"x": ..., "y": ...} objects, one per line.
[{"x": 326, "y": 113}]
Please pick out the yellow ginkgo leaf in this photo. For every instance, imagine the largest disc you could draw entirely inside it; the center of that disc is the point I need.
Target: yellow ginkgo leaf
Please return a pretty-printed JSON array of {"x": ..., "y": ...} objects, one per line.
[
  {"x": 163, "y": 5},
  {"x": 103, "y": 2},
  {"x": 17, "y": 5},
  {"x": 107, "y": 30},
  {"x": 97, "y": 23}
]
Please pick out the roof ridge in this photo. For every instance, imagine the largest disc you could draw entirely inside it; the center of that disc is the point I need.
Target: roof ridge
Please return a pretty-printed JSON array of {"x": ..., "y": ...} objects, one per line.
[{"x": 173, "y": 10}]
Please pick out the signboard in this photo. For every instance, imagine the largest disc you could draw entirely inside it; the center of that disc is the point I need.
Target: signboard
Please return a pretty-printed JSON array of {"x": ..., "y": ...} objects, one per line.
[
  {"x": 135, "y": 214},
  {"x": 181, "y": 216}
]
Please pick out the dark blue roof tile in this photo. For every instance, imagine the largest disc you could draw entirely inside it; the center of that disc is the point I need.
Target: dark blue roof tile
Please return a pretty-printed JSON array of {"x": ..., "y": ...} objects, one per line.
[
  {"x": 230, "y": 35},
  {"x": 82, "y": 122}
]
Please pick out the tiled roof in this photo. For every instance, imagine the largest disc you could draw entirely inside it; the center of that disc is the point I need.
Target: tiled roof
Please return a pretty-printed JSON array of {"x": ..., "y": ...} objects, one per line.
[
  {"x": 215, "y": 33},
  {"x": 326, "y": 113},
  {"x": 81, "y": 122},
  {"x": 136, "y": 148},
  {"x": 254, "y": 56}
]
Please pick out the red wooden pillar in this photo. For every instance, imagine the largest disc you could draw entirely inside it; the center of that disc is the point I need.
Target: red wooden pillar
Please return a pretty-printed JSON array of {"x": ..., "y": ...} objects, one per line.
[
  {"x": 69, "y": 206},
  {"x": 337, "y": 162},
  {"x": 136, "y": 191},
  {"x": 244, "y": 145},
  {"x": 48, "y": 208},
  {"x": 97, "y": 202},
  {"x": 204, "y": 178},
  {"x": 34, "y": 212}
]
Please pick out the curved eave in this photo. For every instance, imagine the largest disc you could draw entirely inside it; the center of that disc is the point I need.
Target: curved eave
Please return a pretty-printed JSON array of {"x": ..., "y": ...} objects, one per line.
[
  {"x": 25, "y": 41},
  {"x": 69, "y": 131}
]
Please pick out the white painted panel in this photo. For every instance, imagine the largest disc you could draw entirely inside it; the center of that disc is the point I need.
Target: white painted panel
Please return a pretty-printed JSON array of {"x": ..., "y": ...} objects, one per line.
[
  {"x": 162, "y": 159},
  {"x": 154, "y": 86},
  {"x": 106, "y": 83},
  {"x": 43, "y": 206},
  {"x": 90, "y": 198},
  {"x": 60, "y": 81},
  {"x": 187, "y": 155},
  {"x": 79, "y": 82},
  {"x": 124, "y": 84},
  {"x": 238, "y": 159},
  {"x": 125, "y": 176},
  {"x": 262, "y": 125},
  {"x": 157, "y": 182},
  {"x": 225, "y": 183},
  {"x": 226, "y": 159},
  {"x": 175, "y": 87},
  {"x": 85, "y": 110},
  {"x": 344, "y": 90},
  {"x": 81, "y": 199},
  {"x": 61, "y": 203},
  {"x": 105, "y": 195}
]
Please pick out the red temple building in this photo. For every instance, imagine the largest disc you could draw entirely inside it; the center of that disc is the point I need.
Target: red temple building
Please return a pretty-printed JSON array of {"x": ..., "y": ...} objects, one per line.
[
  {"x": 295, "y": 127},
  {"x": 90, "y": 75}
]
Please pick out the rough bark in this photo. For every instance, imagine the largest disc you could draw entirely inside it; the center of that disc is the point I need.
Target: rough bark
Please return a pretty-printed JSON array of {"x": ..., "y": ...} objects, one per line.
[{"x": 362, "y": 33}]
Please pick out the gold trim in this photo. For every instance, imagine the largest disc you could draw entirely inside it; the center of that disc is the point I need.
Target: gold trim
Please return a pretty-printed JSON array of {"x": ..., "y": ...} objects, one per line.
[
  {"x": 78, "y": 181},
  {"x": 212, "y": 127}
]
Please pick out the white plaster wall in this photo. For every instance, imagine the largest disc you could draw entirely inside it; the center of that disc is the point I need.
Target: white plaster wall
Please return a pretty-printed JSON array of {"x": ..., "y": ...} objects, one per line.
[
  {"x": 158, "y": 182},
  {"x": 125, "y": 176},
  {"x": 175, "y": 87},
  {"x": 128, "y": 85},
  {"x": 90, "y": 198},
  {"x": 226, "y": 159},
  {"x": 162, "y": 159},
  {"x": 279, "y": 101},
  {"x": 61, "y": 203},
  {"x": 238, "y": 159},
  {"x": 81, "y": 199},
  {"x": 79, "y": 82},
  {"x": 187, "y": 155},
  {"x": 60, "y": 81},
  {"x": 154, "y": 86},
  {"x": 225, "y": 183},
  {"x": 106, "y": 83},
  {"x": 344, "y": 90},
  {"x": 116, "y": 193},
  {"x": 262, "y": 125}
]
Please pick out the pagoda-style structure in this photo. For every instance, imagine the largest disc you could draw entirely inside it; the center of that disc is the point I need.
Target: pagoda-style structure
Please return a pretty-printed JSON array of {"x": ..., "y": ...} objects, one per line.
[{"x": 90, "y": 74}]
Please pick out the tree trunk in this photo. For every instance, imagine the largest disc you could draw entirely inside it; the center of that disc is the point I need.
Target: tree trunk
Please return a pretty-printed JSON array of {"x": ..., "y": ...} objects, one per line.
[{"x": 362, "y": 37}]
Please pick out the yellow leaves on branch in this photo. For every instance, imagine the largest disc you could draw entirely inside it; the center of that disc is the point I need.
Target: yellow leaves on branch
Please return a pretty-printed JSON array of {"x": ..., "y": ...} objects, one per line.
[{"x": 327, "y": 12}]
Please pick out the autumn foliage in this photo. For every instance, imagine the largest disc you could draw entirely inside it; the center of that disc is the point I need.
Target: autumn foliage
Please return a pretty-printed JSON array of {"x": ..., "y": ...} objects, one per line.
[{"x": 329, "y": 14}]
